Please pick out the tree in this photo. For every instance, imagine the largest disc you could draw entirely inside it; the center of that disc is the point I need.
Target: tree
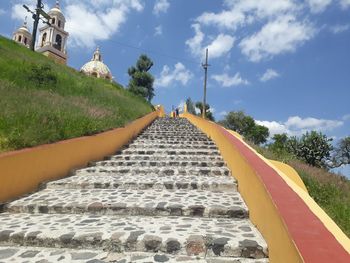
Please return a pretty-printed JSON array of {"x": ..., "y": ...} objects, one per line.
[
  {"x": 238, "y": 122},
  {"x": 258, "y": 134},
  {"x": 279, "y": 144},
  {"x": 190, "y": 106},
  {"x": 341, "y": 153},
  {"x": 208, "y": 113},
  {"x": 141, "y": 82},
  {"x": 313, "y": 148},
  {"x": 245, "y": 125}
]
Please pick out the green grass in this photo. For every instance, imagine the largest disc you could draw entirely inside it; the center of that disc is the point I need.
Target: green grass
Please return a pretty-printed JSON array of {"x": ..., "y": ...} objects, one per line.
[
  {"x": 43, "y": 102},
  {"x": 330, "y": 191}
]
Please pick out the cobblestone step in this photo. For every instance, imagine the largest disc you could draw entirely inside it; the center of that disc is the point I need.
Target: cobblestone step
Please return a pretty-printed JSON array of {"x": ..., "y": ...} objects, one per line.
[
  {"x": 164, "y": 157},
  {"x": 47, "y": 255},
  {"x": 171, "y": 142},
  {"x": 196, "y": 203},
  {"x": 163, "y": 171},
  {"x": 157, "y": 163},
  {"x": 211, "y": 237},
  {"x": 143, "y": 182},
  {"x": 171, "y": 146},
  {"x": 172, "y": 137},
  {"x": 150, "y": 151}
]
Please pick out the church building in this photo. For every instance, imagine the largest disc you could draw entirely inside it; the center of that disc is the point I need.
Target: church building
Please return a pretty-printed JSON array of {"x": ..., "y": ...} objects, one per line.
[
  {"x": 52, "y": 38},
  {"x": 96, "y": 67},
  {"x": 22, "y": 35},
  {"x": 52, "y": 42}
]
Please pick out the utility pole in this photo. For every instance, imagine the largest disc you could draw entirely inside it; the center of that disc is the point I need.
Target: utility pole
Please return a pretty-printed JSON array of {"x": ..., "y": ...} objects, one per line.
[
  {"x": 205, "y": 66},
  {"x": 36, "y": 17}
]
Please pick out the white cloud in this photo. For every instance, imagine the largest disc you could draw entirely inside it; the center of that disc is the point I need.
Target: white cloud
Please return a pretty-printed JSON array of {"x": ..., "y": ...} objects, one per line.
[
  {"x": 161, "y": 6},
  {"x": 242, "y": 12},
  {"x": 312, "y": 123},
  {"x": 274, "y": 127},
  {"x": 195, "y": 43},
  {"x": 19, "y": 13},
  {"x": 226, "y": 19},
  {"x": 222, "y": 113},
  {"x": 179, "y": 74},
  {"x": 280, "y": 36},
  {"x": 345, "y": 4},
  {"x": 318, "y": 6},
  {"x": 91, "y": 21},
  {"x": 339, "y": 28},
  {"x": 346, "y": 117},
  {"x": 158, "y": 30},
  {"x": 297, "y": 126},
  {"x": 227, "y": 81},
  {"x": 218, "y": 47},
  {"x": 269, "y": 74}
]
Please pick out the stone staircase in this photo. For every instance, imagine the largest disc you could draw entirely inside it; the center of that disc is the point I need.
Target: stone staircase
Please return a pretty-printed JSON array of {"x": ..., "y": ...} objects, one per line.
[{"x": 167, "y": 197}]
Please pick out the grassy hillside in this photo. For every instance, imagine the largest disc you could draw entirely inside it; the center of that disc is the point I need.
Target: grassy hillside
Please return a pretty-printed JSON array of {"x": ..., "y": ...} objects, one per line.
[
  {"x": 330, "y": 191},
  {"x": 43, "y": 102}
]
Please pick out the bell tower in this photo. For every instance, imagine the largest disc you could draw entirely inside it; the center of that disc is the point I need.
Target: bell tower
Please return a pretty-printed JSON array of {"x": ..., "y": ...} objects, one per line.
[
  {"x": 22, "y": 35},
  {"x": 53, "y": 39}
]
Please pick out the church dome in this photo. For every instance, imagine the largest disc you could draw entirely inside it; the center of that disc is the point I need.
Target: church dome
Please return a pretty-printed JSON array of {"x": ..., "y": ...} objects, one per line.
[
  {"x": 96, "y": 67},
  {"x": 23, "y": 29}
]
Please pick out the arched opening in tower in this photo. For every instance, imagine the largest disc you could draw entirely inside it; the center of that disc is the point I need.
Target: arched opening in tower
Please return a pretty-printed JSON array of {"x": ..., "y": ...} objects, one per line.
[
  {"x": 43, "y": 40},
  {"x": 58, "y": 42}
]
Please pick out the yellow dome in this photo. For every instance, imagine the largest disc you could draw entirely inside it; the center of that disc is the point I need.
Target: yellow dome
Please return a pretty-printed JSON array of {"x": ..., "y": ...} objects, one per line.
[{"x": 96, "y": 67}]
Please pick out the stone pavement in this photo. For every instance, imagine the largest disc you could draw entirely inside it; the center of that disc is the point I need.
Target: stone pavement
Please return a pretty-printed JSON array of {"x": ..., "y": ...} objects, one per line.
[{"x": 167, "y": 197}]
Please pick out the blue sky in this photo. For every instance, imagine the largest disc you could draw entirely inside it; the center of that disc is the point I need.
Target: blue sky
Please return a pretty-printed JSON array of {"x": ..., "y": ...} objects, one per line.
[{"x": 285, "y": 62}]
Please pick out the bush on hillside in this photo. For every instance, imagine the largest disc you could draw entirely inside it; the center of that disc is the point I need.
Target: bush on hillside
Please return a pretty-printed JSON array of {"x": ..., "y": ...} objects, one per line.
[{"x": 42, "y": 74}]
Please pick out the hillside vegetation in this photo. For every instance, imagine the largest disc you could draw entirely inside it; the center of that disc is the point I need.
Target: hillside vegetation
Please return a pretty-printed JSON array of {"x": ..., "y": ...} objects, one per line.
[{"x": 43, "y": 102}]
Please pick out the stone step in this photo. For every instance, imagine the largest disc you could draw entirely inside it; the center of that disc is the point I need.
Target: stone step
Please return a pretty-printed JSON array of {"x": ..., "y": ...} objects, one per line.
[
  {"x": 174, "y": 134},
  {"x": 157, "y": 163},
  {"x": 171, "y": 146},
  {"x": 210, "y": 237},
  {"x": 166, "y": 137},
  {"x": 46, "y": 255},
  {"x": 196, "y": 203},
  {"x": 163, "y": 171},
  {"x": 174, "y": 130},
  {"x": 158, "y": 157},
  {"x": 171, "y": 142},
  {"x": 143, "y": 182},
  {"x": 152, "y": 151}
]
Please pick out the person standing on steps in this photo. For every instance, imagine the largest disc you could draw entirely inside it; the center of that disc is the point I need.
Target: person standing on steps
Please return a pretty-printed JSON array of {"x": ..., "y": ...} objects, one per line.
[{"x": 177, "y": 112}]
